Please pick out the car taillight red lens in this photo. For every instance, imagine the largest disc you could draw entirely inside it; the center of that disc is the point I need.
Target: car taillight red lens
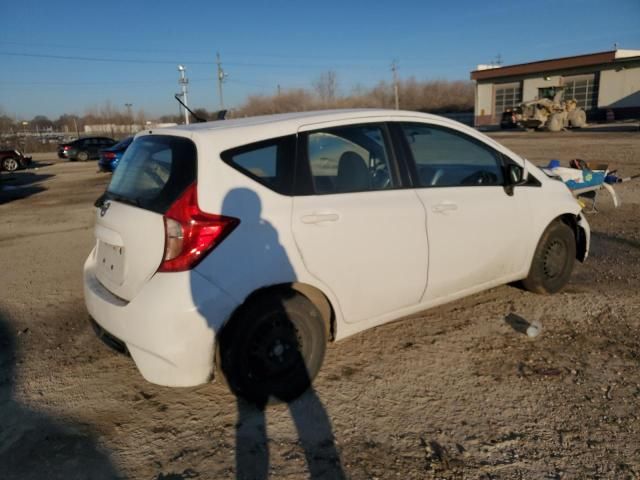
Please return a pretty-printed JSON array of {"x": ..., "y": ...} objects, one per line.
[
  {"x": 191, "y": 233},
  {"x": 67, "y": 147},
  {"x": 109, "y": 155}
]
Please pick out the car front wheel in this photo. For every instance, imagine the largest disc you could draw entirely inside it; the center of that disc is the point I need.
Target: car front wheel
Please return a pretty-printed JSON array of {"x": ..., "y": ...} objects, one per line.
[
  {"x": 10, "y": 164},
  {"x": 553, "y": 260},
  {"x": 273, "y": 348}
]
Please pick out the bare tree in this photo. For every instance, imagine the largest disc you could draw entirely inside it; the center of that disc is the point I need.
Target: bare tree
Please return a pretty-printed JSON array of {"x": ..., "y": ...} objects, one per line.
[{"x": 326, "y": 86}]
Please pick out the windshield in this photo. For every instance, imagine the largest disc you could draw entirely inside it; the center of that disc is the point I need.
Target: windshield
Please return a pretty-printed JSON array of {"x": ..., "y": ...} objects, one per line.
[{"x": 154, "y": 171}]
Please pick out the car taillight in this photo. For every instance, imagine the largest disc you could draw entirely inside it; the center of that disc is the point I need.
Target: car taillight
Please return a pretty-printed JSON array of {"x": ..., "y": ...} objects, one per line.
[
  {"x": 191, "y": 233},
  {"x": 66, "y": 147},
  {"x": 109, "y": 155}
]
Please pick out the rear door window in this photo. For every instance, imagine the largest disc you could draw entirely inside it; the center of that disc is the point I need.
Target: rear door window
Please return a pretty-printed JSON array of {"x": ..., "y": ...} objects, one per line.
[
  {"x": 154, "y": 171},
  {"x": 349, "y": 159}
]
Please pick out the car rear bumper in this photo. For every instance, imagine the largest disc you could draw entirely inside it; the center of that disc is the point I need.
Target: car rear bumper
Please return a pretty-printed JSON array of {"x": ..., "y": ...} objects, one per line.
[
  {"x": 105, "y": 165},
  {"x": 168, "y": 328}
]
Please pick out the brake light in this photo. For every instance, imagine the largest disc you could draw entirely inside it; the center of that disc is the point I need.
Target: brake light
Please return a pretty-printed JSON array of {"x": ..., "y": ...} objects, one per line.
[
  {"x": 190, "y": 233},
  {"x": 109, "y": 155},
  {"x": 66, "y": 147}
]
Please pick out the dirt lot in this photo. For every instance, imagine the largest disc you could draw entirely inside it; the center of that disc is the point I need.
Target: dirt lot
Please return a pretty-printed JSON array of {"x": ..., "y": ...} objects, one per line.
[{"x": 455, "y": 393}]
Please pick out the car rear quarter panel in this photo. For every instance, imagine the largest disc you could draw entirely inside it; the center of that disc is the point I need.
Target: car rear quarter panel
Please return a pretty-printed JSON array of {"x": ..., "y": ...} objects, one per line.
[{"x": 261, "y": 251}]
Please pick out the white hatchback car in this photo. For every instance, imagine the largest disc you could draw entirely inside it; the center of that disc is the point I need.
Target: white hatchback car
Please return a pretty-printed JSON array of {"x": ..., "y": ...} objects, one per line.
[{"x": 243, "y": 246}]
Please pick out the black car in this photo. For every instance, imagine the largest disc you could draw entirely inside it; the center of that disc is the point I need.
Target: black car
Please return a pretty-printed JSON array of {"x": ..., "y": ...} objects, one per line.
[
  {"x": 84, "y": 148},
  {"x": 13, "y": 159}
]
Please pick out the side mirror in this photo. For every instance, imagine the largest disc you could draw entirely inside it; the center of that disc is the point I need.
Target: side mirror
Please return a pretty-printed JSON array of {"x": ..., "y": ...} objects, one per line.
[{"x": 515, "y": 176}]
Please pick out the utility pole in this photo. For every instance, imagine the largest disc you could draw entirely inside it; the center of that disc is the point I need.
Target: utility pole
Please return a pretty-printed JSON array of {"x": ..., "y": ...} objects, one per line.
[
  {"x": 221, "y": 76},
  {"x": 394, "y": 69},
  {"x": 129, "y": 105},
  {"x": 183, "y": 82}
]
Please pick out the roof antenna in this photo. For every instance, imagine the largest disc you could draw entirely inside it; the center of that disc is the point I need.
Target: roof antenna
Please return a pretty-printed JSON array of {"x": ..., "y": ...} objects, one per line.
[
  {"x": 615, "y": 45},
  {"x": 199, "y": 119}
]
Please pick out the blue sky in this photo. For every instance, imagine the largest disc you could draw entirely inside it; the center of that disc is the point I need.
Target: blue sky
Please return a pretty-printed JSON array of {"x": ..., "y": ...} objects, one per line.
[{"x": 268, "y": 43}]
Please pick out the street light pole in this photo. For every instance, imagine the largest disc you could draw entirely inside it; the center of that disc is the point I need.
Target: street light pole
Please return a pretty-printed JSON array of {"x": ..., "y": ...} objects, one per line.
[
  {"x": 394, "y": 69},
  {"x": 129, "y": 105},
  {"x": 221, "y": 77},
  {"x": 183, "y": 82},
  {"x": 24, "y": 131}
]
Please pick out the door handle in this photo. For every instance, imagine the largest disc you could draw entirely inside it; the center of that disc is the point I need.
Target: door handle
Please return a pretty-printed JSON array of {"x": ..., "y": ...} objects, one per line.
[
  {"x": 320, "y": 217},
  {"x": 444, "y": 207}
]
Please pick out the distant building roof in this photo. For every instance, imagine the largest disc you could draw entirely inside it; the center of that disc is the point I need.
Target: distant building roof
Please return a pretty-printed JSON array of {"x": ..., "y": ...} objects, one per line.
[{"x": 544, "y": 66}]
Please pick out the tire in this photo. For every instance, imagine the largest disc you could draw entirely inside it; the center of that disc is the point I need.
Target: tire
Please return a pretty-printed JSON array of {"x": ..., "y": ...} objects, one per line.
[
  {"x": 553, "y": 260},
  {"x": 82, "y": 156},
  {"x": 10, "y": 164},
  {"x": 273, "y": 348}
]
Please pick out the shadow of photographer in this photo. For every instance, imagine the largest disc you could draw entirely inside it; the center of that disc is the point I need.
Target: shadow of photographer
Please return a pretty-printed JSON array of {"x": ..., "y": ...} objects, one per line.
[
  {"x": 34, "y": 445},
  {"x": 271, "y": 350}
]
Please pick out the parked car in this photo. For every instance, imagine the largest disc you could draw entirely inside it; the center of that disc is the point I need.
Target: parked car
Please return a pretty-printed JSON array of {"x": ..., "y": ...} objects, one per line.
[
  {"x": 13, "y": 159},
  {"x": 109, "y": 157},
  {"x": 84, "y": 148},
  {"x": 241, "y": 247}
]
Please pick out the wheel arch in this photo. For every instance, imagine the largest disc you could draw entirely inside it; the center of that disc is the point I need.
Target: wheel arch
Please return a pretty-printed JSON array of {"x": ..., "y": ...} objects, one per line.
[
  {"x": 579, "y": 232},
  {"x": 311, "y": 293}
]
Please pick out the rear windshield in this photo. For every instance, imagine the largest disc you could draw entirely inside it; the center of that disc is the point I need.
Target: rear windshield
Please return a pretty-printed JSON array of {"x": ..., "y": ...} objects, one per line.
[
  {"x": 123, "y": 143},
  {"x": 154, "y": 171}
]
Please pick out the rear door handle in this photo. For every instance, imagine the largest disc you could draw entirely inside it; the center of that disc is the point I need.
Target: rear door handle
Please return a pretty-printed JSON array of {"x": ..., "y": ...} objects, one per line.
[
  {"x": 444, "y": 207},
  {"x": 320, "y": 217}
]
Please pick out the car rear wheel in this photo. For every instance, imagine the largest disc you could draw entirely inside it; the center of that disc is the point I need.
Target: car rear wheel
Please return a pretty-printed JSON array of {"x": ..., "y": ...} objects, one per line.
[
  {"x": 273, "y": 348},
  {"x": 83, "y": 156},
  {"x": 553, "y": 260},
  {"x": 10, "y": 164}
]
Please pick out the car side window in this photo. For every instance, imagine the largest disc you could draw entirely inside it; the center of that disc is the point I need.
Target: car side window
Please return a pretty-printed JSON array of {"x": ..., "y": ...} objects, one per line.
[
  {"x": 349, "y": 159},
  {"x": 269, "y": 162},
  {"x": 446, "y": 158}
]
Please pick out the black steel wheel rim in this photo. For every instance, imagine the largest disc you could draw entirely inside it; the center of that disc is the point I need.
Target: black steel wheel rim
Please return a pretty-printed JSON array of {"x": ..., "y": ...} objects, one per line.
[
  {"x": 274, "y": 349},
  {"x": 555, "y": 259}
]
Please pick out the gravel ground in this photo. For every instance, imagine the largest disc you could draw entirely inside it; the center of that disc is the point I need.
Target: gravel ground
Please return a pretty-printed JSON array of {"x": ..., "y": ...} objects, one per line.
[{"x": 457, "y": 392}]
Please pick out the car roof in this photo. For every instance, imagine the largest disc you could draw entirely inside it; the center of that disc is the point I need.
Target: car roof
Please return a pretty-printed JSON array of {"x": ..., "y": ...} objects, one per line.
[{"x": 298, "y": 119}]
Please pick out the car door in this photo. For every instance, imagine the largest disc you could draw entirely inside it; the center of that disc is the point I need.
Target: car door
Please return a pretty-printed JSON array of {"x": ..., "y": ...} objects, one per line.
[
  {"x": 357, "y": 231},
  {"x": 476, "y": 227},
  {"x": 89, "y": 146}
]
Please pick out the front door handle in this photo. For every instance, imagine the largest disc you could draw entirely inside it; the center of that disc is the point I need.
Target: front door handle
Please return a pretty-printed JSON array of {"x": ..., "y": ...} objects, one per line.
[
  {"x": 320, "y": 217},
  {"x": 444, "y": 207}
]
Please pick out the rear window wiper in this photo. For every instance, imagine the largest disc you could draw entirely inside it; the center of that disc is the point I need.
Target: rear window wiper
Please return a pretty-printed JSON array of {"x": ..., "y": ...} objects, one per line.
[{"x": 135, "y": 201}]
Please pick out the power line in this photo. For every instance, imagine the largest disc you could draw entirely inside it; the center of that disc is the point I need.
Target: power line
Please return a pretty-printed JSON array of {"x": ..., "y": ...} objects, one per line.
[
  {"x": 99, "y": 59},
  {"x": 133, "y": 82},
  {"x": 305, "y": 56},
  {"x": 174, "y": 61}
]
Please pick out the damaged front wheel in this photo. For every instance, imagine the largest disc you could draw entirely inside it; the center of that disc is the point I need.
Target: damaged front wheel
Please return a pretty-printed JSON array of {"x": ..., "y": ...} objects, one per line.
[{"x": 553, "y": 260}]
